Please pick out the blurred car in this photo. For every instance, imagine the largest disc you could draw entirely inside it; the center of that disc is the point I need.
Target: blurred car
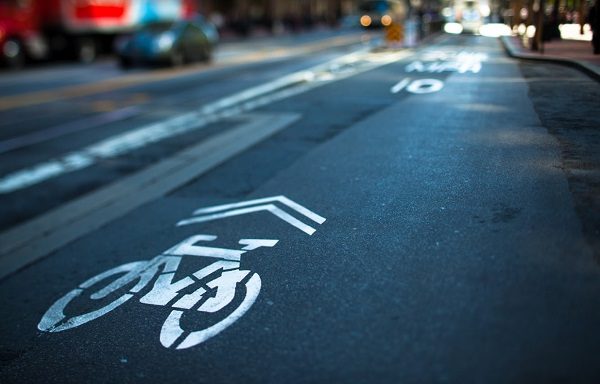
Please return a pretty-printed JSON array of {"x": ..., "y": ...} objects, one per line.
[
  {"x": 471, "y": 17},
  {"x": 173, "y": 42},
  {"x": 350, "y": 21},
  {"x": 380, "y": 13}
]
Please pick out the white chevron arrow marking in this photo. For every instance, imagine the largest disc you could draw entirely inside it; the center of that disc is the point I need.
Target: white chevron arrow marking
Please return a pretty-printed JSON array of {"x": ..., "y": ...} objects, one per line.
[{"x": 251, "y": 206}]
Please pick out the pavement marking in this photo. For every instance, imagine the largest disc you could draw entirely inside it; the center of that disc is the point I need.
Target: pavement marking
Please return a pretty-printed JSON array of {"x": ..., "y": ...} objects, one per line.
[
  {"x": 438, "y": 61},
  {"x": 37, "y": 238},
  {"x": 129, "y": 141},
  {"x": 68, "y": 128},
  {"x": 422, "y": 86},
  {"x": 211, "y": 289},
  {"x": 252, "y": 98},
  {"x": 124, "y": 81},
  {"x": 244, "y": 211},
  {"x": 265, "y": 204},
  {"x": 40, "y": 236},
  {"x": 400, "y": 85},
  {"x": 279, "y": 199}
]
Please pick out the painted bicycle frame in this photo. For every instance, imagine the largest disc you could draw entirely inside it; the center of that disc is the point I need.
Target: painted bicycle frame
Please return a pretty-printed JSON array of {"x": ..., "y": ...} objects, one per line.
[
  {"x": 223, "y": 275},
  {"x": 212, "y": 289}
]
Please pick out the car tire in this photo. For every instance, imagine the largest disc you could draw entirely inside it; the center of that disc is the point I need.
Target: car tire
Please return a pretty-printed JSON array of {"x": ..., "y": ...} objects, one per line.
[
  {"x": 125, "y": 62},
  {"x": 177, "y": 58},
  {"x": 13, "y": 53},
  {"x": 207, "y": 55},
  {"x": 86, "y": 51}
]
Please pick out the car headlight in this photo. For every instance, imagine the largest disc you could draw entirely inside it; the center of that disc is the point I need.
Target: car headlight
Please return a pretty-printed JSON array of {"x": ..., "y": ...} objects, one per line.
[
  {"x": 365, "y": 20},
  {"x": 165, "y": 41},
  {"x": 386, "y": 20}
]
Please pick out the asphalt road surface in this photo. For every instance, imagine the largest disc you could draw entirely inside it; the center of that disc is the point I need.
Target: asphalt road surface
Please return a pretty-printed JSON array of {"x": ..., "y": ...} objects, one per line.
[{"x": 340, "y": 214}]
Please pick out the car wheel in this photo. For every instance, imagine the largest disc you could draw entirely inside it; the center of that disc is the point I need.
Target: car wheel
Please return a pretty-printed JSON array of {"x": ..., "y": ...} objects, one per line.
[
  {"x": 13, "y": 54},
  {"x": 125, "y": 62},
  {"x": 177, "y": 58},
  {"x": 207, "y": 55},
  {"x": 86, "y": 51}
]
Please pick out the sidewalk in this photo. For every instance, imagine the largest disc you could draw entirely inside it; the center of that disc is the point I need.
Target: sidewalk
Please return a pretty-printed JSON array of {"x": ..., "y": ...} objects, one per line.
[{"x": 574, "y": 53}]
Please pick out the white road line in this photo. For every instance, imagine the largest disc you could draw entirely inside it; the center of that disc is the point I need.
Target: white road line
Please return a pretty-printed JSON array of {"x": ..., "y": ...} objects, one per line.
[
  {"x": 171, "y": 330},
  {"x": 244, "y": 211},
  {"x": 400, "y": 85},
  {"x": 281, "y": 199},
  {"x": 35, "y": 239},
  {"x": 188, "y": 247},
  {"x": 65, "y": 129},
  {"x": 287, "y": 86},
  {"x": 422, "y": 86}
]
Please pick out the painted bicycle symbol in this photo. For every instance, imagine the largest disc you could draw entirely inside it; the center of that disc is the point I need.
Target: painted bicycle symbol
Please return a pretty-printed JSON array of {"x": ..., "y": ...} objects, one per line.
[
  {"x": 438, "y": 62},
  {"x": 212, "y": 289}
]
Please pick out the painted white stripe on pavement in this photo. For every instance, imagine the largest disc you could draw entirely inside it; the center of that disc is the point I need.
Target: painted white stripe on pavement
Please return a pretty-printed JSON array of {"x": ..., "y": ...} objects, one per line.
[
  {"x": 40, "y": 236},
  {"x": 281, "y": 199},
  {"x": 65, "y": 129},
  {"x": 293, "y": 84},
  {"x": 243, "y": 211}
]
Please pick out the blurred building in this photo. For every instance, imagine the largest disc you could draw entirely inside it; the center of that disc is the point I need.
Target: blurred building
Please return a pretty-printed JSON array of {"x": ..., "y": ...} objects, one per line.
[{"x": 275, "y": 15}]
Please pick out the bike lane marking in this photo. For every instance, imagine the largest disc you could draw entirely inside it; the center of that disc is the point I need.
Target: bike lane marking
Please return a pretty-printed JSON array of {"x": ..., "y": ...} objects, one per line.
[
  {"x": 281, "y": 199},
  {"x": 223, "y": 276},
  {"x": 436, "y": 62},
  {"x": 39, "y": 237},
  {"x": 252, "y": 206}
]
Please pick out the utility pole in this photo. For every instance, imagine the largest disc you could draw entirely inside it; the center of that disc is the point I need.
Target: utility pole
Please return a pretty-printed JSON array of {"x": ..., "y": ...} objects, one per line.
[
  {"x": 538, "y": 40},
  {"x": 582, "y": 16}
]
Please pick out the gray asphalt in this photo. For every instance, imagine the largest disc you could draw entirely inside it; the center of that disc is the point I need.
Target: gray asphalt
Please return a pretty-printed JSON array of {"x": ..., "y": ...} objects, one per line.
[
  {"x": 148, "y": 102},
  {"x": 452, "y": 250}
]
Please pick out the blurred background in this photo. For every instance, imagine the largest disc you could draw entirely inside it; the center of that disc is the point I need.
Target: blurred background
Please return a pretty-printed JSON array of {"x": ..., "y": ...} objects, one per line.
[{"x": 41, "y": 30}]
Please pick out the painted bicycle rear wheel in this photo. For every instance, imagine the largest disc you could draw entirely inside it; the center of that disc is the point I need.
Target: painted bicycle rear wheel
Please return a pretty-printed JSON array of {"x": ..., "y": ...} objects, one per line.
[{"x": 99, "y": 297}]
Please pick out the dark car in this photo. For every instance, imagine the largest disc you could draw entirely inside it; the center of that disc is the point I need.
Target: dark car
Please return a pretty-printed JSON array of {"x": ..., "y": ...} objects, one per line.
[{"x": 174, "y": 43}]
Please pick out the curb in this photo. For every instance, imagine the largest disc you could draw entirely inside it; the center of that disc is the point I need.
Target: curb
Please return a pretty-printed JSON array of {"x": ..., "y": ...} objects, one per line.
[{"x": 581, "y": 66}]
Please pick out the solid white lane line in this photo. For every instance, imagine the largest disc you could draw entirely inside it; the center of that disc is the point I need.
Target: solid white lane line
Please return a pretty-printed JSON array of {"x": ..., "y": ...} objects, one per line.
[
  {"x": 30, "y": 241},
  {"x": 287, "y": 86},
  {"x": 65, "y": 129}
]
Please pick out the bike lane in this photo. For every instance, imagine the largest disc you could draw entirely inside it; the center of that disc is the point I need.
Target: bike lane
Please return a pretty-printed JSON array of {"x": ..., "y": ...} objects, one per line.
[{"x": 450, "y": 252}]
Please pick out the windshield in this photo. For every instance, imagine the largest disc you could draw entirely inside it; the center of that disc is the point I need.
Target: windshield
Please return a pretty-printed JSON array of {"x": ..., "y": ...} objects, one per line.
[{"x": 374, "y": 6}]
